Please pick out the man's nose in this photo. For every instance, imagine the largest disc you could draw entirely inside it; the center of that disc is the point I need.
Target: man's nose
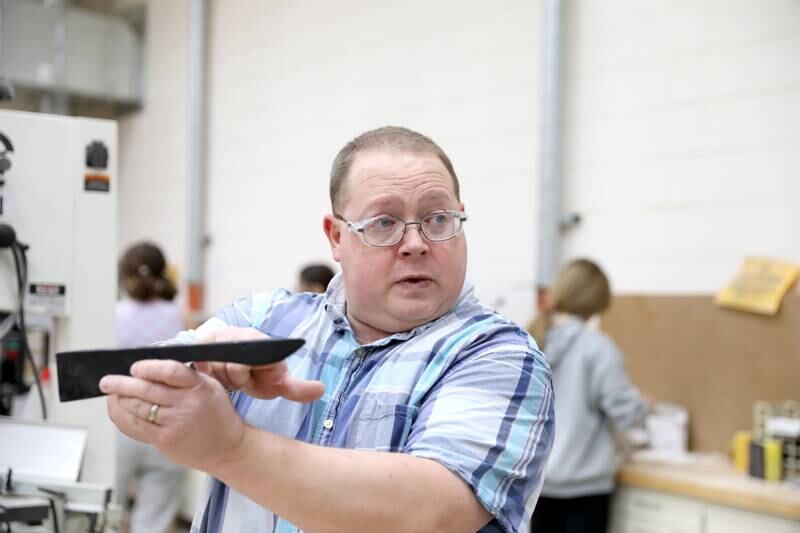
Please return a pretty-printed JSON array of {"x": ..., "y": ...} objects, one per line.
[{"x": 413, "y": 242}]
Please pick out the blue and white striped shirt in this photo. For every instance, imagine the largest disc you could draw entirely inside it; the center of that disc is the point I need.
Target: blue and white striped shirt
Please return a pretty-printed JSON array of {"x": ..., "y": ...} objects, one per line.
[{"x": 469, "y": 390}]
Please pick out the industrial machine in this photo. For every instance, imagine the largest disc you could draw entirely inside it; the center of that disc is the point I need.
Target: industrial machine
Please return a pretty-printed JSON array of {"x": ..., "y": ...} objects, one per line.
[{"x": 58, "y": 286}]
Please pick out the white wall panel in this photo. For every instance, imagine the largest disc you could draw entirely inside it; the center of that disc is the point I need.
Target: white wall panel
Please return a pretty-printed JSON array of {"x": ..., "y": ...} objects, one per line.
[
  {"x": 681, "y": 138},
  {"x": 291, "y": 83},
  {"x": 680, "y": 132},
  {"x": 152, "y": 142}
]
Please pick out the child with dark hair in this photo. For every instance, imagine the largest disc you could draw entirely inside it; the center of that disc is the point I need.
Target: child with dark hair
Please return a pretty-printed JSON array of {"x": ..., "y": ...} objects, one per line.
[
  {"x": 147, "y": 314},
  {"x": 143, "y": 274}
]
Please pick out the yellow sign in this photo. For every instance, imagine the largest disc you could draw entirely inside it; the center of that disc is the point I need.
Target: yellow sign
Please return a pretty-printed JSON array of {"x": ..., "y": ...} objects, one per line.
[{"x": 759, "y": 286}]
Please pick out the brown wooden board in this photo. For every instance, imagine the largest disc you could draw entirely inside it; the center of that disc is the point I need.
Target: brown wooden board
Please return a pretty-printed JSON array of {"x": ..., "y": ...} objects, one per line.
[{"x": 716, "y": 362}]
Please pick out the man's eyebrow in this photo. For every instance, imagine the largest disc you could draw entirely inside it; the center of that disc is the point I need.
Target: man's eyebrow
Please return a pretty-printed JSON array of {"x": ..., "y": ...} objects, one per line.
[{"x": 435, "y": 195}]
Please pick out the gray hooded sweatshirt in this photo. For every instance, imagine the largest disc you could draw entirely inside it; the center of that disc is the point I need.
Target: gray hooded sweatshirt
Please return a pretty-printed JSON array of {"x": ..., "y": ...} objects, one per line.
[{"x": 594, "y": 397}]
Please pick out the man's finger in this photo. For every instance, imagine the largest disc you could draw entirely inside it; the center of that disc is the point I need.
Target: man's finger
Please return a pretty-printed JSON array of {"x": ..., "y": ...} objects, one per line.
[
  {"x": 170, "y": 373},
  {"x": 230, "y": 333},
  {"x": 237, "y": 375},
  {"x": 215, "y": 370},
  {"x": 130, "y": 424},
  {"x": 137, "y": 388},
  {"x": 301, "y": 390},
  {"x": 204, "y": 367},
  {"x": 142, "y": 409},
  {"x": 206, "y": 338}
]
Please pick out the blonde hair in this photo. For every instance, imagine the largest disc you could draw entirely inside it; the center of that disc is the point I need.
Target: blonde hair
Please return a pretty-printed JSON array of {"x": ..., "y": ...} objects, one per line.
[{"x": 581, "y": 289}]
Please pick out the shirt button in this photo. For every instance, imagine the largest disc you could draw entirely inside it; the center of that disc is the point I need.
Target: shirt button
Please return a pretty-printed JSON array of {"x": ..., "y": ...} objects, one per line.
[{"x": 328, "y": 424}]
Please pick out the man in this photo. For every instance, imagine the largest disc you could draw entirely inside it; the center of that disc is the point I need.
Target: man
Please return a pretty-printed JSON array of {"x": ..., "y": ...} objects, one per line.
[
  {"x": 411, "y": 407},
  {"x": 314, "y": 278}
]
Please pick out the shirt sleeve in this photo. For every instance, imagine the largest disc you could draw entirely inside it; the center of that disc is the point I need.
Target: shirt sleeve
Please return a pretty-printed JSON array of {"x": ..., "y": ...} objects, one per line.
[
  {"x": 248, "y": 312},
  {"x": 490, "y": 421}
]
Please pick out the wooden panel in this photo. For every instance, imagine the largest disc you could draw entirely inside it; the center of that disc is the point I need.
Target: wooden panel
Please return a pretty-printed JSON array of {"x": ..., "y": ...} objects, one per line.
[{"x": 714, "y": 361}]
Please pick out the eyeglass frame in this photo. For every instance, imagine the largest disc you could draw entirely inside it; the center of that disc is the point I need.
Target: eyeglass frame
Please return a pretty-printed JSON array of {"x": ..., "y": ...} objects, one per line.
[{"x": 357, "y": 227}]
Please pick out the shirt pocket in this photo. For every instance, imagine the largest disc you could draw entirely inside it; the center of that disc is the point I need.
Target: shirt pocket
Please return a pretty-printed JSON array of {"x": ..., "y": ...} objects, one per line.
[{"x": 381, "y": 426}]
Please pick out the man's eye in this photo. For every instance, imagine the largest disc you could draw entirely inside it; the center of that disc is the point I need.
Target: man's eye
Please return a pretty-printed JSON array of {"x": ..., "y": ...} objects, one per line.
[
  {"x": 384, "y": 223},
  {"x": 438, "y": 219}
]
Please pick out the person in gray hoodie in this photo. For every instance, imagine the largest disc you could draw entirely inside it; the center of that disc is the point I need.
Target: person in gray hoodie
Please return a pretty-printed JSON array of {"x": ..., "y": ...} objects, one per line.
[{"x": 594, "y": 401}]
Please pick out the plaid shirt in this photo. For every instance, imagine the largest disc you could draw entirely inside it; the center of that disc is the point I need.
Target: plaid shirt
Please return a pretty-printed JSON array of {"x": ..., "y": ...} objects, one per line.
[{"x": 469, "y": 390}]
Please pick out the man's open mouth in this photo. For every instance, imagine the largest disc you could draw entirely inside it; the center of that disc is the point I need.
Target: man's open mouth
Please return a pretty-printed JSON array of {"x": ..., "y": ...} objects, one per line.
[{"x": 415, "y": 281}]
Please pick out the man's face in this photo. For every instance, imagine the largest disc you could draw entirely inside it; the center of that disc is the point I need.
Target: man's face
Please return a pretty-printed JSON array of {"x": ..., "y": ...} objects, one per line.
[{"x": 399, "y": 287}]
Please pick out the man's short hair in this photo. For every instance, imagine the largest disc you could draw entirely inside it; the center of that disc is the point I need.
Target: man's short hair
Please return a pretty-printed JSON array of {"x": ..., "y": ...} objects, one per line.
[
  {"x": 389, "y": 138},
  {"x": 316, "y": 273}
]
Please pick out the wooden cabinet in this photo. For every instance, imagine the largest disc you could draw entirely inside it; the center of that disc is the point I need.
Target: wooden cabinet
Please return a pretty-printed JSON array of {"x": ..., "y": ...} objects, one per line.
[
  {"x": 646, "y": 511},
  {"x": 721, "y": 519}
]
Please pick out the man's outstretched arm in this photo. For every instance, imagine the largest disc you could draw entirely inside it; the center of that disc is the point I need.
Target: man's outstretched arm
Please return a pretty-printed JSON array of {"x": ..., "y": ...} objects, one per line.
[{"x": 318, "y": 489}]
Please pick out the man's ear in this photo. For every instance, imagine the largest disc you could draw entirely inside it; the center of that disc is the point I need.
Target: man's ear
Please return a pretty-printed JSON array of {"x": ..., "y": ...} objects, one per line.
[{"x": 334, "y": 234}]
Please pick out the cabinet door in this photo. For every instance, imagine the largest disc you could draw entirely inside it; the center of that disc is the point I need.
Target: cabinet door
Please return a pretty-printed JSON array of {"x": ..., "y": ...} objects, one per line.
[
  {"x": 646, "y": 511},
  {"x": 623, "y": 523},
  {"x": 721, "y": 519}
]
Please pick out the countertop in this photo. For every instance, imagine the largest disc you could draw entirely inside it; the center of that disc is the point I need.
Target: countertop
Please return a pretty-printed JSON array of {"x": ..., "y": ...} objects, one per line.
[{"x": 713, "y": 479}]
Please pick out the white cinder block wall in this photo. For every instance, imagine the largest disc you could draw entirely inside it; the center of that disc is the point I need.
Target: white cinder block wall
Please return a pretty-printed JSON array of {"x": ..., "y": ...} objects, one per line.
[
  {"x": 682, "y": 138},
  {"x": 152, "y": 143},
  {"x": 291, "y": 83},
  {"x": 680, "y": 135}
]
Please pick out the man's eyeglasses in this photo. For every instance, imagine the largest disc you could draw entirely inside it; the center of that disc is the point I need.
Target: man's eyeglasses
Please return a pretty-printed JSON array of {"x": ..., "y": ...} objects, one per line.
[{"x": 385, "y": 230}]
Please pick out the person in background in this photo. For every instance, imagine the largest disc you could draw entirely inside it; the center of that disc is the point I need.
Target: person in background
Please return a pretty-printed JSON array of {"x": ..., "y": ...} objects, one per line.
[
  {"x": 411, "y": 406},
  {"x": 314, "y": 278},
  {"x": 594, "y": 398},
  {"x": 146, "y": 315}
]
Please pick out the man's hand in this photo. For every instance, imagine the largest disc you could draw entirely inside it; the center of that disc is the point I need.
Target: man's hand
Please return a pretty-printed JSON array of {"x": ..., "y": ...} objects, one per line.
[
  {"x": 186, "y": 414},
  {"x": 183, "y": 413},
  {"x": 265, "y": 382}
]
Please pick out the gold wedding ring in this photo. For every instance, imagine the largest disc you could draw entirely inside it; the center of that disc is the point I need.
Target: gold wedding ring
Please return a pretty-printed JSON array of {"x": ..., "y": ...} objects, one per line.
[{"x": 151, "y": 416}]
